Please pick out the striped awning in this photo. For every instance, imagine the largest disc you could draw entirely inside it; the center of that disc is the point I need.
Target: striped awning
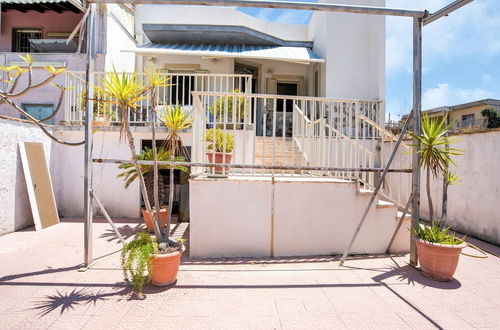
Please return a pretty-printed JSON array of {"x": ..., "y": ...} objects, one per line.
[{"x": 278, "y": 53}]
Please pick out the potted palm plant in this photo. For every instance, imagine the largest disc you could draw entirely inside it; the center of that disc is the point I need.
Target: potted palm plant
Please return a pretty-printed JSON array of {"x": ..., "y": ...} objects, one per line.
[
  {"x": 129, "y": 174},
  {"x": 438, "y": 251},
  {"x": 160, "y": 254},
  {"x": 220, "y": 147}
]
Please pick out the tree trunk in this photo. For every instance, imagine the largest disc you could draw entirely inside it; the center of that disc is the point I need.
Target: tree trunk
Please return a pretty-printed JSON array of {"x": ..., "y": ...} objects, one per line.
[
  {"x": 429, "y": 197},
  {"x": 171, "y": 191},
  {"x": 142, "y": 183},
  {"x": 155, "y": 166},
  {"x": 444, "y": 209}
]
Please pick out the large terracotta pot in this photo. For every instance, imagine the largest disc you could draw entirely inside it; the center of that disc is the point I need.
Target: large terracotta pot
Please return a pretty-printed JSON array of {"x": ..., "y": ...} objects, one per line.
[
  {"x": 438, "y": 261},
  {"x": 220, "y": 158},
  {"x": 149, "y": 222},
  {"x": 165, "y": 268}
]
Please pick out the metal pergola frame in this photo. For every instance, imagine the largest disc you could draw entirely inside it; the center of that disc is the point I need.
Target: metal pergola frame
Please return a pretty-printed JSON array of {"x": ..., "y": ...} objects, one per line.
[{"x": 420, "y": 19}]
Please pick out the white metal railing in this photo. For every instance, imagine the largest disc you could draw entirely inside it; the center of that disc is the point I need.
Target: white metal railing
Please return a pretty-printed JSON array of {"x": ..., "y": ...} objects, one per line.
[
  {"x": 300, "y": 132},
  {"x": 178, "y": 91}
]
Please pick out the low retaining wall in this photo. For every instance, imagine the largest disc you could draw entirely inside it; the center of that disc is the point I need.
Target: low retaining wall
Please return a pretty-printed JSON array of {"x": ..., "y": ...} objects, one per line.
[
  {"x": 254, "y": 217},
  {"x": 473, "y": 204},
  {"x": 15, "y": 212}
]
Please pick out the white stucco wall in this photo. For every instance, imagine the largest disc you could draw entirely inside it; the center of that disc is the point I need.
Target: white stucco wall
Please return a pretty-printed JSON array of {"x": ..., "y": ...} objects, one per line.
[
  {"x": 241, "y": 216},
  {"x": 204, "y": 15},
  {"x": 15, "y": 210},
  {"x": 473, "y": 205},
  {"x": 353, "y": 46},
  {"x": 119, "y": 35}
]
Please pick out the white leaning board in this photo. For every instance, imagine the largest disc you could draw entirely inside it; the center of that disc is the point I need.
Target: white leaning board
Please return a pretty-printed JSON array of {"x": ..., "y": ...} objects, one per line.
[{"x": 39, "y": 185}]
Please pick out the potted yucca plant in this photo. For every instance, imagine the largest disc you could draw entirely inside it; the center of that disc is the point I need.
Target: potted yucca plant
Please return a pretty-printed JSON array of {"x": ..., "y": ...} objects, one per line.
[
  {"x": 160, "y": 254},
  {"x": 438, "y": 251},
  {"x": 220, "y": 146}
]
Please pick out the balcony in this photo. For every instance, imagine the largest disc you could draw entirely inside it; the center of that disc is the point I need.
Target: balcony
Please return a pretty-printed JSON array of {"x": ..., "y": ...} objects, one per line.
[{"x": 178, "y": 92}]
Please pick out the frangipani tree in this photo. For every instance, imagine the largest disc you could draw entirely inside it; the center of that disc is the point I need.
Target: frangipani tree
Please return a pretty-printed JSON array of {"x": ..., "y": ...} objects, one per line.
[{"x": 10, "y": 78}]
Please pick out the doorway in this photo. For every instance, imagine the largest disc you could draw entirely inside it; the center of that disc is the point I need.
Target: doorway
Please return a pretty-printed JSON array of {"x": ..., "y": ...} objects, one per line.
[{"x": 284, "y": 110}]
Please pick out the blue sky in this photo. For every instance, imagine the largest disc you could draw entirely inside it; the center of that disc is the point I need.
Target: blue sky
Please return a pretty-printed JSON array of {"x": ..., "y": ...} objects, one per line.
[{"x": 461, "y": 61}]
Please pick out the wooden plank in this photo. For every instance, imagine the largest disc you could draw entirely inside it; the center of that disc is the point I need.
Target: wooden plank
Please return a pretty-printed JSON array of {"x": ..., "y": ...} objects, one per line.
[{"x": 39, "y": 185}]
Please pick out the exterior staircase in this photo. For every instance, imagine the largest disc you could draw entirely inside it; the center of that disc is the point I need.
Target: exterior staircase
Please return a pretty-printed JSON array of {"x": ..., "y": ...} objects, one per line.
[{"x": 286, "y": 152}]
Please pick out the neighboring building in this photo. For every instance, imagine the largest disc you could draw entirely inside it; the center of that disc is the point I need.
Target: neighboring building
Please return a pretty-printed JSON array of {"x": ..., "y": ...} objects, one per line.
[
  {"x": 466, "y": 115},
  {"x": 41, "y": 27}
]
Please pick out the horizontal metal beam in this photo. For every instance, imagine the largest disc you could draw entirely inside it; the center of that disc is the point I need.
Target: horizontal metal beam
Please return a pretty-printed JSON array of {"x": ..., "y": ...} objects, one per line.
[
  {"x": 281, "y": 5},
  {"x": 445, "y": 11},
  {"x": 257, "y": 167}
]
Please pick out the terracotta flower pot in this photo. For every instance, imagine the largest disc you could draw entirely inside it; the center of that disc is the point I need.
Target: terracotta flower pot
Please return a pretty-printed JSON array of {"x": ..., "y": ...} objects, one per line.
[
  {"x": 165, "y": 268},
  {"x": 438, "y": 261},
  {"x": 149, "y": 222},
  {"x": 220, "y": 158}
]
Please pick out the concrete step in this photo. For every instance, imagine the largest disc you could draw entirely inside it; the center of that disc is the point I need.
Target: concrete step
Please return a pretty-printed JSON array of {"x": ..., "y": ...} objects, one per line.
[
  {"x": 406, "y": 218},
  {"x": 384, "y": 204}
]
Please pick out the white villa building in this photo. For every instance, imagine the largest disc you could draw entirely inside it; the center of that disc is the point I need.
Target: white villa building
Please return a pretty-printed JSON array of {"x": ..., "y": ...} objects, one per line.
[{"x": 311, "y": 95}]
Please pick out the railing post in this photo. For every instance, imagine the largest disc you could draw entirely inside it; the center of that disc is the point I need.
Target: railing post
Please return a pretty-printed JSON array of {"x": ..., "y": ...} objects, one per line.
[
  {"x": 356, "y": 136},
  {"x": 417, "y": 105}
]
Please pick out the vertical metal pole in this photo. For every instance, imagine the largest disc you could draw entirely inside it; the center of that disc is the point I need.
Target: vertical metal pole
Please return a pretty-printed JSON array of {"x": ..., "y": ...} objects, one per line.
[
  {"x": 87, "y": 181},
  {"x": 417, "y": 107}
]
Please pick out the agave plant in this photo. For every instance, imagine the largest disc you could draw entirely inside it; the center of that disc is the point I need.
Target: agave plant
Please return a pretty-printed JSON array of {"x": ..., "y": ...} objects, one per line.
[
  {"x": 434, "y": 151},
  {"x": 176, "y": 121},
  {"x": 437, "y": 234}
]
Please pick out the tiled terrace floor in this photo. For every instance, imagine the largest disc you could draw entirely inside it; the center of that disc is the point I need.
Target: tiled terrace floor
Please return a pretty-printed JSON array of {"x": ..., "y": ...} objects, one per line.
[{"x": 41, "y": 287}]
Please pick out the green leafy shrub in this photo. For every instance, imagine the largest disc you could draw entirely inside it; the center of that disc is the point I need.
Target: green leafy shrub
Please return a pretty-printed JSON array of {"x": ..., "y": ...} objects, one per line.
[
  {"x": 136, "y": 258},
  {"x": 225, "y": 105},
  {"x": 492, "y": 117},
  {"x": 221, "y": 140},
  {"x": 437, "y": 234}
]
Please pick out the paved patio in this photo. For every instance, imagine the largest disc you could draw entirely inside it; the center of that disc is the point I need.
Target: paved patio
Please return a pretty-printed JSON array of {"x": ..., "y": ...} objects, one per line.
[{"x": 41, "y": 287}]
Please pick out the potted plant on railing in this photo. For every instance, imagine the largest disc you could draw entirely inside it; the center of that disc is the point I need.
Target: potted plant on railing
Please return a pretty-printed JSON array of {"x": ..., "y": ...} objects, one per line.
[
  {"x": 438, "y": 251},
  {"x": 102, "y": 112},
  {"x": 130, "y": 175},
  {"x": 229, "y": 112},
  {"x": 159, "y": 254},
  {"x": 220, "y": 147}
]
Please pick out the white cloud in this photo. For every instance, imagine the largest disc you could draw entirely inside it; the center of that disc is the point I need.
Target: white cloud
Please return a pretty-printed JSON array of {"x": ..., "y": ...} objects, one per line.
[
  {"x": 473, "y": 30},
  {"x": 445, "y": 94}
]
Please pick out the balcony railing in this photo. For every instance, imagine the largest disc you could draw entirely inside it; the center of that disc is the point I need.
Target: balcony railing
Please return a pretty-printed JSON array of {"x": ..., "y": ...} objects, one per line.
[
  {"x": 295, "y": 133},
  {"x": 178, "y": 91}
]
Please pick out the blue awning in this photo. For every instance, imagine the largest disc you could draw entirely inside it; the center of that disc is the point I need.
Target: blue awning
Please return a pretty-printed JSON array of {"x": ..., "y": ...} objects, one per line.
[{"x": 277, "y": 53}]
